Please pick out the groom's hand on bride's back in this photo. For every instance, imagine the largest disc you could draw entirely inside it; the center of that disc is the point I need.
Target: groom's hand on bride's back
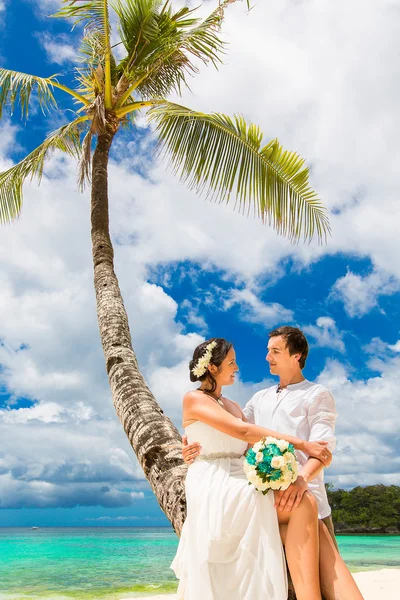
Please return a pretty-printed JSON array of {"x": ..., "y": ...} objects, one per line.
[{"x": 189, "y": 451}]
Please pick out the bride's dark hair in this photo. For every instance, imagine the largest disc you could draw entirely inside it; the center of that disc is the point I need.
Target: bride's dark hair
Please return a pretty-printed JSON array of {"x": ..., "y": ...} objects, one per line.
[{"x": 218, "y": 355}]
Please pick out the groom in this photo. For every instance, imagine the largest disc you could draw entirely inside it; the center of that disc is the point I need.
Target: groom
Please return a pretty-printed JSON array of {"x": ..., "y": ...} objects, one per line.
[{"x": 297, "y": 407}]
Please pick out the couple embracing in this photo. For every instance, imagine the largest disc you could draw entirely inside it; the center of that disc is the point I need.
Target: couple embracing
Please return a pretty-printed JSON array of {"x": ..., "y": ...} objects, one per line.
[{"x": 235, "y": 539}]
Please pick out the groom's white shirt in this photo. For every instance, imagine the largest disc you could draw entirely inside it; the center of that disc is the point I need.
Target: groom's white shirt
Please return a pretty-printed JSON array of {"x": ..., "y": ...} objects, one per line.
[{"x": 306, "y": 410}]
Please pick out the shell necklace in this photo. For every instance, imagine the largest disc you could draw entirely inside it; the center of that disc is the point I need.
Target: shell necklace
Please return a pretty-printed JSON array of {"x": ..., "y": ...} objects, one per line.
[{"x": 213, "y": 397}]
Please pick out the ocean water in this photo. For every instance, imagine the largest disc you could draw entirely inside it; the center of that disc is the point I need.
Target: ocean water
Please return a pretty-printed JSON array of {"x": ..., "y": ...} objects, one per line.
[{"x": 117, "y": 562}]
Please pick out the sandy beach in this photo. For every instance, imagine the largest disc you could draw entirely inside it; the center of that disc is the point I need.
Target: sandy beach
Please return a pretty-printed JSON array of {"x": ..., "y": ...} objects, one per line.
[{"x": 374, "y": 585}]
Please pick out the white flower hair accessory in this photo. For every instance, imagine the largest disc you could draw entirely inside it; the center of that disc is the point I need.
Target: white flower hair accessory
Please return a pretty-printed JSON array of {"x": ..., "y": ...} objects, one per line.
[{"x": 201, "y": 366}]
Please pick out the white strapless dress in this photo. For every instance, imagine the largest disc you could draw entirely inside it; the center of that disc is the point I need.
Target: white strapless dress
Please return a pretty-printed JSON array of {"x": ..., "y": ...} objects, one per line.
[{"x": 230, "y": 548}]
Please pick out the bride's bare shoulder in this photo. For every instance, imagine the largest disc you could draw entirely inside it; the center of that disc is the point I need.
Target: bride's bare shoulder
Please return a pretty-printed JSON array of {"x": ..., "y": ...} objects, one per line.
[{"x": 192, "y": 396}]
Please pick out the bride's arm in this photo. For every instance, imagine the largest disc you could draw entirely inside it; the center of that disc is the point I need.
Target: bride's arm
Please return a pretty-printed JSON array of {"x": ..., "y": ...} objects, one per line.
[
  {"x": 243, "y": 417},
  {"x": 203, "y": 409}
]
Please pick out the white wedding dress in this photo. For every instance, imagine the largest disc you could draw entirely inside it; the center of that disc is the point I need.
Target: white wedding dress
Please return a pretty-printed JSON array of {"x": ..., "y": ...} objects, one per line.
[{"x": 230, "y": 548}]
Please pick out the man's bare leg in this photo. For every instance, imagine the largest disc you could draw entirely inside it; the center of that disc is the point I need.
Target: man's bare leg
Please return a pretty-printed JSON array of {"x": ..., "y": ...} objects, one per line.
[
  {"x": 300, "y": 533},
  {"x": 337, "y": 582},
  {"x": 331, "y": 530}
]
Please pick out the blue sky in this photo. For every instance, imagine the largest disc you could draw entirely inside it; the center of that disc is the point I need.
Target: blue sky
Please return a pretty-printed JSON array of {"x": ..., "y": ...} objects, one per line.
[{"x": 320, "y": 78}]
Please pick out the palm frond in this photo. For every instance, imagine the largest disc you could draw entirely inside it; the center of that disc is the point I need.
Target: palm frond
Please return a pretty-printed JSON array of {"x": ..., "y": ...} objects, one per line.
[
  {"x": 163, "y": 46},
  {"x": 93, "y": 54},
  {"x": 149, "y": 32},
  {"x": 17, "y": 88},
  {"x": 223, "y": 157},
  {"x": 66, "y": 139},
  {"x": 85, "y": 161},
  {"x": 92, "y": 48},
  {"x": 204, "y": 41},
  {"x": 138, "y": 24},
  {"x": 93, "y": 14}
]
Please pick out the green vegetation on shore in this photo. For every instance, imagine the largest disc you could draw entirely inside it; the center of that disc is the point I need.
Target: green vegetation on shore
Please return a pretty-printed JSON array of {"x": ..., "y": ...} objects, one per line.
[{"x": 369, "y": 509}]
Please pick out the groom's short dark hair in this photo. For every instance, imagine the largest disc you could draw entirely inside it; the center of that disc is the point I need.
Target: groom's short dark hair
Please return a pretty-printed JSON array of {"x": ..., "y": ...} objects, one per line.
[{"x": 296, "y": 342}]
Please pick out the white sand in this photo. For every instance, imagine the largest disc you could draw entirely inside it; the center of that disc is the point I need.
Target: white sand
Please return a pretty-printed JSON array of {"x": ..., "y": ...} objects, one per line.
[{"x": 374, "y": 585}]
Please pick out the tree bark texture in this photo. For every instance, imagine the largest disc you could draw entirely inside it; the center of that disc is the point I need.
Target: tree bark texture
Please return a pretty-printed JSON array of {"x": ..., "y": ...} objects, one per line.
[{"x": 152, "y": 435}]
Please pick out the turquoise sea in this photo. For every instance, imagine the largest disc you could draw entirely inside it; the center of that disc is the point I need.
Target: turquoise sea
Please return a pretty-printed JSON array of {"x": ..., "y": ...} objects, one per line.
[{"x": 118, "y": 562}]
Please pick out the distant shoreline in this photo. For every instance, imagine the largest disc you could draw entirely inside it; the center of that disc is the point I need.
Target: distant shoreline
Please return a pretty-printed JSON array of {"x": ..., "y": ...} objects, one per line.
[
  {"x": 377, "y": 533},
  {"x": 346, "y": 532}
]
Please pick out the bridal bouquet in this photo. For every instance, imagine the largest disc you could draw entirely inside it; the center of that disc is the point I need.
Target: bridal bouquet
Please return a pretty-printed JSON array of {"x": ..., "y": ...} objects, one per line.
[{"x": 271, "y": 464}]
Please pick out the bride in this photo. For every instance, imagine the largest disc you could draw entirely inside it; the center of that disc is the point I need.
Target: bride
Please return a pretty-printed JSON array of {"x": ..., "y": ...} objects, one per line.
[{"x": 230, "y": 548}]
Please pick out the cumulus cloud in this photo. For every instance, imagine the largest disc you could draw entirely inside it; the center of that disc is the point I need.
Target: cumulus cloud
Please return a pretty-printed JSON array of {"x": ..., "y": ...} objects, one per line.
[
  {"x": 361, "y": 294},
  {"x": 61, "y": 458},
  {"x": 253, "y": 310},
  {"x": 326, "y": 333},
  {"x": 367, "y": 427},
  {"x": 395, "y": 347},
  {"x": 191, "y": 311},
  {"x": 58, "y": 48},
  {"x": 41, "y": 494}
]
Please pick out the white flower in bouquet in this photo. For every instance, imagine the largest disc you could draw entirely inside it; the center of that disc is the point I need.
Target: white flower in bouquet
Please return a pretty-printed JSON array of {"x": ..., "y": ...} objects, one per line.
[
  {"x": 275, "y": 485},
  {"x": 258, "y": 446},
  {"x": 270, "y": 440},
  {"x": 277, "y": 462},
  {"x": 282, "y": 445},
  {"x": 287, "y": 457}
]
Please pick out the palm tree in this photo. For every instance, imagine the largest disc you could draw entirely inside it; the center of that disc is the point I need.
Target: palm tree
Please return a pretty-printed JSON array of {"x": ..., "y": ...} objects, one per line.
[{"x": 213, "y": 153}]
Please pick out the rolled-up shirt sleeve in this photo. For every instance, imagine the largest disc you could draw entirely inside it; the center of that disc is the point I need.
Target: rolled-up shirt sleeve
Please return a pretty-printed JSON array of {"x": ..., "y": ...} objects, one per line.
[
  {"x": 322, "y": 418},
  {"x": 249, "y": 410}
]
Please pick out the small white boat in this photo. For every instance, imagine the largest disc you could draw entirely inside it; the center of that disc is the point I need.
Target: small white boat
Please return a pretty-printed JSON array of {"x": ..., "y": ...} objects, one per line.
[{"x": 34, "y": 527}]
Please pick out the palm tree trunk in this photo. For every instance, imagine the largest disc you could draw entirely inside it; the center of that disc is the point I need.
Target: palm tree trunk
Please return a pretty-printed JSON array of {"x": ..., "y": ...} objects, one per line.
[{"x": 153, "y": 437}]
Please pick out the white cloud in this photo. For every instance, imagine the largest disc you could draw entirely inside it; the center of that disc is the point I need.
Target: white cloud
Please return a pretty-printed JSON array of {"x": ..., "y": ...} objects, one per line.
[
  {"x": 361, "y": 294},
  {"x": 193, "y": 316},
  {"x": 253, "y": 310},
  {"x": 367, "y": 426},
  {"x": 47, "y": 412},
  {"x": 326, "y": 334},
  {"x": 58, "y": 48},
  {"x": 2, "y": 6},
  {"x": 41, "y": 494},
  {"x": 48, "y": 6},
  {"x": 65, "y": 461},
  {"x": 7, "y": 142},
  {"x": 395, "y": 347}
]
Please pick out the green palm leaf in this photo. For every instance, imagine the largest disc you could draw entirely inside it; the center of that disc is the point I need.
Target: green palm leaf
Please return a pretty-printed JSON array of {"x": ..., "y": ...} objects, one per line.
[
  {"x": 204, "y": 41},
  {"x": 97, "y": 31},
  {"x": 66, "y": 139},
  {"x": 17, "y": 88},
  {"x": 223, "y": 157},
  {"x": 151, "y": 34},
  {"x": 93, "y": 14},
  {"x": 163, "y": 46},
  {"x": 137, "y": 24}
]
